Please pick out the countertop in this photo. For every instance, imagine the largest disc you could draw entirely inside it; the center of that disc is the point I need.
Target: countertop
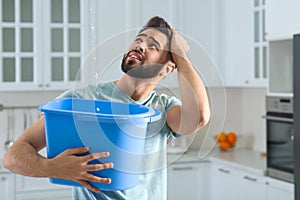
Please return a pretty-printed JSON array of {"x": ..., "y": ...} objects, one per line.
[{"x": 245, "y": 159}]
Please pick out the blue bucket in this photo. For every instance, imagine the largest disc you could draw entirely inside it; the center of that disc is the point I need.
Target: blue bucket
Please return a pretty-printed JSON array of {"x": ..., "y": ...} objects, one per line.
[{"x": 119, "y": 128}]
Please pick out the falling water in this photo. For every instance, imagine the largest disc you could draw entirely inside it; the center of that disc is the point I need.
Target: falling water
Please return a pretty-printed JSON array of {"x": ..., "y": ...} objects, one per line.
[{"x": 93, "y": 39}]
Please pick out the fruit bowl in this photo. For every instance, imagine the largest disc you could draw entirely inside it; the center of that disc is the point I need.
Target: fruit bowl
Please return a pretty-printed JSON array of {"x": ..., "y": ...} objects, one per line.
[{"x": 226, "y": 141}]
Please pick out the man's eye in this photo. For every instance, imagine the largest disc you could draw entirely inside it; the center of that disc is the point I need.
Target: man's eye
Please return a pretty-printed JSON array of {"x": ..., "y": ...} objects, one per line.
[
  {"x": 153, "y": 46},
  {"x": 138, "y": 40}
]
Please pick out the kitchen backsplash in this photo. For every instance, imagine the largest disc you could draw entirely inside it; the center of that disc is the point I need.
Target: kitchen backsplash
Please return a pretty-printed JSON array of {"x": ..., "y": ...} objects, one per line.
[
  {"x": 245, "y": 108},
  {"x": 11, "y": 129},
  {"x": 14, "y": 122}
]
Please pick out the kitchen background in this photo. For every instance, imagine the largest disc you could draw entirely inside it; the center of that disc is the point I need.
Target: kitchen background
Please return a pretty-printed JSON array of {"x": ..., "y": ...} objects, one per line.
[{"x": 43, "y": 44}]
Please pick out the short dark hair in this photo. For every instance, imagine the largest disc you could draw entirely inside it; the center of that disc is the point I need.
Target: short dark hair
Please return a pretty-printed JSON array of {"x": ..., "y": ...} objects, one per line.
[{"x": 161, "y": 25}]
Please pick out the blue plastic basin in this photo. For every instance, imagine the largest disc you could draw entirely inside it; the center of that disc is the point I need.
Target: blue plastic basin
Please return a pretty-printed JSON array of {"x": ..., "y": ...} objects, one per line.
[{"x": 119, "y": 128}]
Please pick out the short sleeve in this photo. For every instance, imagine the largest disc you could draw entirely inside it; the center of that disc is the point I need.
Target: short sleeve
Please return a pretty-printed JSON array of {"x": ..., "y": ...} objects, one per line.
[
  {"x": 86, "y": 92},
  {"x": 169, "y": 102}
]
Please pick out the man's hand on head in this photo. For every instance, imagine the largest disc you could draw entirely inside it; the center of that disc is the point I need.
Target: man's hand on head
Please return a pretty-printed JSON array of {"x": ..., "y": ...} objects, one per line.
[{"x": 179, "y": 47}]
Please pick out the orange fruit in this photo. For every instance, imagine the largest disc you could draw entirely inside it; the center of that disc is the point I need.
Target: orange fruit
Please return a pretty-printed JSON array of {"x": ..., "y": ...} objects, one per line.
[
  {"x": 222, "y": 137},
  {"x": 224, "y": 145},
  {"x": 231, "y": 138}
]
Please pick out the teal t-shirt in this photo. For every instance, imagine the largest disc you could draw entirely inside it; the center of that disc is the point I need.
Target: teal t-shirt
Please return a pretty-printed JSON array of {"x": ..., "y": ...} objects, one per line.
[{"x": 153, "y": 178}]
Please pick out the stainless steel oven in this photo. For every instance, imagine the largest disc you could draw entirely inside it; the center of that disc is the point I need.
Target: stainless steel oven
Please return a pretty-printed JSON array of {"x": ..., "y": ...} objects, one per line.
[{"x": 280, "y": 137}]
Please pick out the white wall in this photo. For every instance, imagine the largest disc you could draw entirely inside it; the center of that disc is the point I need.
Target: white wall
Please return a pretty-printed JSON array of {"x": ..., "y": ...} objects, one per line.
[{"x": 245, "y": 108}]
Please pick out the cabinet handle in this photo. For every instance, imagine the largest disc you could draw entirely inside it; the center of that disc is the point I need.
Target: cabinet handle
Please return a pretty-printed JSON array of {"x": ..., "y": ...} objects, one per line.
[
  {"x": 182, "y": 168},
  {"x": 47, "y": 85},
  {"x": 224, "y": 170},
  {"x": 250, "y": 179},
  {"x": 2, "y": 178},
  {"x": 40, "y": 85}
]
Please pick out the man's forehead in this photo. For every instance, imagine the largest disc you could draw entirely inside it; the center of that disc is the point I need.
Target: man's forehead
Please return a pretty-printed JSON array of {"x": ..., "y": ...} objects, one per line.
[{"x": 156, "y": 34}]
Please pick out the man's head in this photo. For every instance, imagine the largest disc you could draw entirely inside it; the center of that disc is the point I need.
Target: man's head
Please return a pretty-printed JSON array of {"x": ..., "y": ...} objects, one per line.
[{"x": 149, "y": 54}]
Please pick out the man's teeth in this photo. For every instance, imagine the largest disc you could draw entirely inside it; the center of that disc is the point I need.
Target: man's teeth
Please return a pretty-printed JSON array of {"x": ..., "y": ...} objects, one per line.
[{"x": 133, "y": 56}]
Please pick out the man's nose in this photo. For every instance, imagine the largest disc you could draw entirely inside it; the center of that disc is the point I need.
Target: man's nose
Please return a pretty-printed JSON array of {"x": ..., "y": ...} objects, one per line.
[{"x": 140, "y": 48}]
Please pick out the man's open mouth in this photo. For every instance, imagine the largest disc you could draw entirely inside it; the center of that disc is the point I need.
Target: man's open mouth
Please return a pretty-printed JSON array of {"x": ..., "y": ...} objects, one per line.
[{"x": 135, "y": 55}]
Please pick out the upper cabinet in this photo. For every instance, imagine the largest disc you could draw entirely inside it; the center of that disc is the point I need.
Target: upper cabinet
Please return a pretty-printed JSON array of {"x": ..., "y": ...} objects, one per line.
[
  {"x": 42, "y": 44},
  {"x": 243, "y": 47},
  {"x": 54, "y": 44},
  {"x": 281, "y": 67},
  {"x": 282, "y": 19},
  {"x": 281, "y": 24},
  {"x": 196, "y": 20}
]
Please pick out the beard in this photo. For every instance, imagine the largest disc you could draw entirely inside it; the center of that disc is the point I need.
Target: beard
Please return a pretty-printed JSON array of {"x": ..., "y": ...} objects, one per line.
[{"x": 140, "y": 70}]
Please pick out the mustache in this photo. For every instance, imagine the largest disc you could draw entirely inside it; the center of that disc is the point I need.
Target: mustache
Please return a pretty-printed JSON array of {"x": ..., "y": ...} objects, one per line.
[{"x": 136, "y": 51}]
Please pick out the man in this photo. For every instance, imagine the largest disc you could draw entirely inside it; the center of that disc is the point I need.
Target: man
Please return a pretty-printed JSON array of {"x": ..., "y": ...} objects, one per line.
[{"x": 155, "y": 53}]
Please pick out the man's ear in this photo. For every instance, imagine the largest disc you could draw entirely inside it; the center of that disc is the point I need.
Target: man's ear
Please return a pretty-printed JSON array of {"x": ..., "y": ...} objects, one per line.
[{"x": 170, "y": 67}]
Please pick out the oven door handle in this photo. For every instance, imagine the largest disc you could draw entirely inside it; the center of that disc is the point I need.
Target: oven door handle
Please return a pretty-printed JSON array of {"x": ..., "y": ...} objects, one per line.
[{"x": 283, "y": 119}]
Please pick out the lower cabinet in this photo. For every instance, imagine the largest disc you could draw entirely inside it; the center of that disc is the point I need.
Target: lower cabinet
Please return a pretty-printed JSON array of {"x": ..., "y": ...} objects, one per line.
[
  {"x": 29, "y": 188},
  {"x": 227, "y": 183},
  {"x": 251, "y": 186},
  {"x": 187, "y": 181},
  {"x": 279, "y": 190},
  {"x": 7, "y": 186},
  {"x": 223, "y": 182}
]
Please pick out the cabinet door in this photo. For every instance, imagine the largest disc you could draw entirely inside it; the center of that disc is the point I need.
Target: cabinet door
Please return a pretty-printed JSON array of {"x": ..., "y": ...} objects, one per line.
[
  {"x": 282, "y": 19},
  {"x": 187, "y": 181},
  {"x": 237, "y": 44},
  {"x": 65, "y": 28},
  {"x": 19, "y": 57},
  {"x": 28, "y": 188},
  {"x": 45, "y": 195},
  {"x": 7, "y": 186},
  {"x": 279, "y": 190},
  {"x": 224, "y": 182},
  {"x": 199, "y": 23},
  {"x": 42, "y": 43},
  {"x": 251, "y": 186}
]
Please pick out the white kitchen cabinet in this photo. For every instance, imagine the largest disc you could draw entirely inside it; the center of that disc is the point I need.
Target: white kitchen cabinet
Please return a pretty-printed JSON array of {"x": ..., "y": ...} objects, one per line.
[
  {"x": 279, "y": 190},
  {"x": 30, "y": 188},
  {"x": 228, "y": 182},
  {"x": 45, "y": 195},
  {"x": 281, "y": 66},
  {"x": 223, "y": 182},
  {"x": 243, "y": 59},
  {"x": 6, "y": 186},
  {"x": 199, "y": 22},
  {"x": 187, "y": 181},
  {"x": 43, "y": 43},
  {"x": 282, "y": 19},
  {"x": 251, "y": 186}
]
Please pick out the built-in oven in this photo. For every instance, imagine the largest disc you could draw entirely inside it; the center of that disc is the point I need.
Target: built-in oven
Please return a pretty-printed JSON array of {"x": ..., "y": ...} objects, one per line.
[{"x": 280, "y": 137}]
